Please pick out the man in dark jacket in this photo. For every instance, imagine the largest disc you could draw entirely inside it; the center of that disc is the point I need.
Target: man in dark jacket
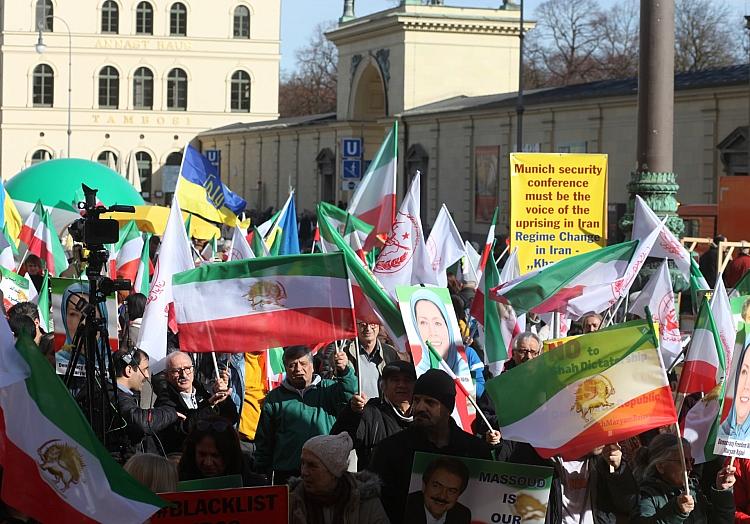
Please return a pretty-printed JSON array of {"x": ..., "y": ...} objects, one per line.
[
  {"x": 137, "y": 426},
  {"x": 190, "y": 398},
  {"x": 368, "y": 424},
  {"x": 433, "y": 431}
]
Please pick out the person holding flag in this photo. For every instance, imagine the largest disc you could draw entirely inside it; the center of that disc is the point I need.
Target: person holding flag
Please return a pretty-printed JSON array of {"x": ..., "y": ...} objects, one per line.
[{"x": 662, "y": 497}]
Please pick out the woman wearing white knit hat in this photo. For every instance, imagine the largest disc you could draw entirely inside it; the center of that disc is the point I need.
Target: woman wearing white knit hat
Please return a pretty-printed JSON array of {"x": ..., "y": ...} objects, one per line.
[{"x": 328, "y": 494}]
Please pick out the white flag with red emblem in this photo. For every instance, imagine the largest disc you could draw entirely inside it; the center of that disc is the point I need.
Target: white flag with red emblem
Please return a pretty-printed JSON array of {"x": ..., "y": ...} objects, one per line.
[
  {"x": 403, "y": 260},
  {"x": 240, "y": 248},
  {"x": 174, "y": 257},
  {"x": 667, "y": 245},
  {"x": 658, "y": 296}
]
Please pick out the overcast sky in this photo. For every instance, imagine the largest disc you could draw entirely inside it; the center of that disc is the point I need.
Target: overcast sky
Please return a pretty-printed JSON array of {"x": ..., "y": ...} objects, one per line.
[{"x": 299, "y": 17}]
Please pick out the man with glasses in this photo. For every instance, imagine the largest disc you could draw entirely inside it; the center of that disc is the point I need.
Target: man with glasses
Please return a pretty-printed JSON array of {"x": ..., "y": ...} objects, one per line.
[
  {"x": 373, "y": 357},
  {"x": 526, "y": 346},
  {"x": 135, "y": 427},
  {"x": 191, "y": 399}
]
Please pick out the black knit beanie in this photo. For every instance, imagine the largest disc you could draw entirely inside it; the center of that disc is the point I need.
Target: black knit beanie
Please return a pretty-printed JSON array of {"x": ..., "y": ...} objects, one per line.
[{"x": 437, "y": 384}]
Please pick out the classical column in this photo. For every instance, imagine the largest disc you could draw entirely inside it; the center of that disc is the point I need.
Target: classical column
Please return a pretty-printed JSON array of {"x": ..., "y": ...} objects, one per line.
[{"x": 653, "y": 178}]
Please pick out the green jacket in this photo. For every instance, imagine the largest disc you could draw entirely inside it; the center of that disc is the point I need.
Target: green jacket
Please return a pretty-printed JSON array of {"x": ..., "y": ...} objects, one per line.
[
  {"x": 290, "y": 417},
  {"x": 657, "y": 504}
]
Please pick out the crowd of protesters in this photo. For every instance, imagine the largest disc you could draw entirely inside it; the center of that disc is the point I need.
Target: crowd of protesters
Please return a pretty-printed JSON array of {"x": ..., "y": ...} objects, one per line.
[{"x": 342, "y": 428}]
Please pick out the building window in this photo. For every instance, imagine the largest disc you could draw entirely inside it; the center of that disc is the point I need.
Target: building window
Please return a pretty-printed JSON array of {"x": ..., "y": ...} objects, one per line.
[
  {"x": 143, "y": 88},
  {"x": 178, "y": 19},
  {"x": 40, "y": 155},
  {"x": 241, "y": 22},
  {"x": 145, "y": 170},
  {"x": 177, "y": 90},
  {"x": 109, "y": 159},
  {"x": 109, "y": 88},
  {"x": 45, "y": 16},
  {"x": 110, "y": 17},
  {"x": 44, "y": 86},
  {"x": 144, "y": 19},
  {"x": 240, "y": 92}
]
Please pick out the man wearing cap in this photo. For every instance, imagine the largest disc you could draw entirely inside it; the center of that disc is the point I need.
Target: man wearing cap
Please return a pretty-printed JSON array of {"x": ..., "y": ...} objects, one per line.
[
  {"x": 433, "y": 431},
  {"x": 369, "y": 422}
]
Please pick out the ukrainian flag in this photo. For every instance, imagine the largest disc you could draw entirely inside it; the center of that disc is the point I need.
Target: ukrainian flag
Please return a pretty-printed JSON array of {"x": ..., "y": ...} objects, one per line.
[
  {"x": 283, "y": 236},
  {"x": 200, "y": 191}
]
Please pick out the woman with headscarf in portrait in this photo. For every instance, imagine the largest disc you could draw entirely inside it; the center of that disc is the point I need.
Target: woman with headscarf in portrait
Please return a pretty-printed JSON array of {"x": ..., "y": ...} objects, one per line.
[
  {"x": 75, "y": 300},
  {"x": 431, "y": 322}
]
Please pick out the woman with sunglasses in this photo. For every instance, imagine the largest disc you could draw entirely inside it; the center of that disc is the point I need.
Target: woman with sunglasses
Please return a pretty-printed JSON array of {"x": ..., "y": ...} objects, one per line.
[
  {"x": 662, "y": 498},
  {"x": 212, "y": 449}
]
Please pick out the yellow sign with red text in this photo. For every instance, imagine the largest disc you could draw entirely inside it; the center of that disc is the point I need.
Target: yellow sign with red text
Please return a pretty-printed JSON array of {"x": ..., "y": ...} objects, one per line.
[{"x": 558, "y": 206}]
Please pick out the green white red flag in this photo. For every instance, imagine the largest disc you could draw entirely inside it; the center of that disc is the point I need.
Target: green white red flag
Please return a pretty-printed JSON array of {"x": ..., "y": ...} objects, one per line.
[
  {"x": 590, "y": 281},
  {"x": 54, "y": 467},
  {"x": 374, "y": 200},
  {"x": 145, "y": 268},
  {"x": 40, "y": 236},
  {"x": 498, "y": 320},
  {"x": 257, "y": 245},
  {"x": 489, "y": 242},
  {"x": 704, "y": 371},
  {"x": 125, "y": 255},
  {"x": 265, "y": 303},
  {"x": 600, "y": 388},
  {"x": 705, "y": 360},
  {"x": 347, "y": 225}
]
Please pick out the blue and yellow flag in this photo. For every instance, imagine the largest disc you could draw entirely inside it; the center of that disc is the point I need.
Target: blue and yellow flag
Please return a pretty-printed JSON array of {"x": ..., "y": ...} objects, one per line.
[
  {"x": 200, "y": 190},
  {"x": 283, "y": 238}
]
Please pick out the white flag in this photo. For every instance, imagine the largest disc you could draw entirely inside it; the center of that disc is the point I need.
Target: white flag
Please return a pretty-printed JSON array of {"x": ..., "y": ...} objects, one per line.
[
  {"x": 240, "y": 249},
  {"x": 470, "y": 264},
  {"x": 132, "y": 174},
  {"x": 725, "y": 323},
  {"x": 404, "y": 259},
  {"x": 174, "y": 256},
  {"x": 658, "y": 296},
  {"x": 667, "y": 245},
  {"x": 444, "y": 246}
]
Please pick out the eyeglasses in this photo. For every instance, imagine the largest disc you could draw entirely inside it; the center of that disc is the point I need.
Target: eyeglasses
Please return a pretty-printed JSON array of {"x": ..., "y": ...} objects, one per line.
[
  {"x": 364, "y": 325},
  {"x": 215, "y": 425},
  {"x": 526, "y": 352},
  {"x": 176, "y": 372}
]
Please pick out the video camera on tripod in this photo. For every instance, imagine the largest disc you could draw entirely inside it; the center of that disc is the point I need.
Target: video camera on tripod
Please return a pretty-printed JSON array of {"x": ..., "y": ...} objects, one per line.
[{"x": 91, "y": 339}]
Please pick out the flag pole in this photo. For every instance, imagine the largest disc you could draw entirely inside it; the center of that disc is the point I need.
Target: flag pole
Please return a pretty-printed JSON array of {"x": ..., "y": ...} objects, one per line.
[
  {"x": 216, "y": 365},
  {"x": 356, "y": 366},
  {"x": 497, "y": 260},
  {"x": 356, "y": 338},
  {"x": 682, "y": 459},
  {"x": 460, "y": 386}
]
